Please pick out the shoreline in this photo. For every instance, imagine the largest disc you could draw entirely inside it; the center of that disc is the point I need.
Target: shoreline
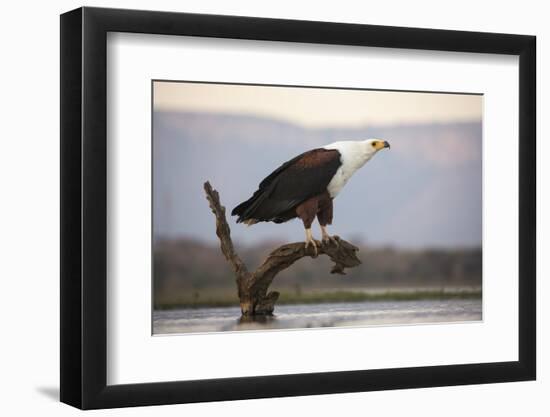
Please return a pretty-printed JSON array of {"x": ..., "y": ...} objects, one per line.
[{"x": 337, "y": 296}]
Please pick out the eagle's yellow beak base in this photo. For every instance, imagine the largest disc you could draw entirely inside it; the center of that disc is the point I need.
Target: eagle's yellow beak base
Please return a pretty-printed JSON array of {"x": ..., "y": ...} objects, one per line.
[{"x": 381, "y": 144}]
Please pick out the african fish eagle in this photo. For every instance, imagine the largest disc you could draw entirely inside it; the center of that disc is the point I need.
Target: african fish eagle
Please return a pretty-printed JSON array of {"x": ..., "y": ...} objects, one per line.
[{"x": 305, "y": 186}]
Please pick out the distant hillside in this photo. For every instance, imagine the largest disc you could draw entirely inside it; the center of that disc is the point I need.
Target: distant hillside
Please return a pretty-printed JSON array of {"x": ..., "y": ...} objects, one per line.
[{"x": 425, "y": 191}]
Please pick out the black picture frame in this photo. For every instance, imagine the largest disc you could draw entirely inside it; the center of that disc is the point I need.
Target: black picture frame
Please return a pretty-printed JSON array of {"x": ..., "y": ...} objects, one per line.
[{"x": 84, "y": 207}]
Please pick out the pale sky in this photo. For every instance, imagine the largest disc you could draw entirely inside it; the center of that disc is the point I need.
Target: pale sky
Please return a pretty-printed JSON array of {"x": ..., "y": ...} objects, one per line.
[{"x": 316, "y": 107}]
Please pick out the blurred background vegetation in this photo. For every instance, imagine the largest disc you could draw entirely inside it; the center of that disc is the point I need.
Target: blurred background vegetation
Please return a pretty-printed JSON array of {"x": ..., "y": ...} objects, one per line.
[{"x": 191, "y": 273}]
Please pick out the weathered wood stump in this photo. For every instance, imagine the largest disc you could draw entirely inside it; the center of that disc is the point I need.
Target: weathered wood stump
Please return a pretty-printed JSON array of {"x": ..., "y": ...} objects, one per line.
[{"x": 255, "y": 300}]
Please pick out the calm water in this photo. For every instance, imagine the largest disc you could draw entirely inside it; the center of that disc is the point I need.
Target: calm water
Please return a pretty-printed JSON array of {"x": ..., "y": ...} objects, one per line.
[{"x": 319, "y": 315}]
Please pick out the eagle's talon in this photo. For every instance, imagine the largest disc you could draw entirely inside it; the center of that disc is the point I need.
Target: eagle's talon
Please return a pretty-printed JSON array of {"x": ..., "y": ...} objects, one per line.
[
  {"x": 314, "y": 245},
  {"x": 328, "y": 240},
  {"x": 313, "y": 242}
]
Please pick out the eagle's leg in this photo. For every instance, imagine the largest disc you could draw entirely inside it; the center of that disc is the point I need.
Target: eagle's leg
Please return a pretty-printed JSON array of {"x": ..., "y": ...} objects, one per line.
[
  {"x": 307, "y": 212},
  {"x": 310, "y": 240},
  {"x": 325, "y": 217}
]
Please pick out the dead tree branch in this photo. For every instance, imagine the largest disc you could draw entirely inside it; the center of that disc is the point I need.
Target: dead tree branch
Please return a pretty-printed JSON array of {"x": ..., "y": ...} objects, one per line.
[{"x": 253, "y": 286}]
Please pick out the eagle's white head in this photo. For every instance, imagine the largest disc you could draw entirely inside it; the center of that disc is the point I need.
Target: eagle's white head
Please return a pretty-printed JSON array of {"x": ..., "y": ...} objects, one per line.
[
  {"x": 357, "y": 153},
  {"x": 353, "y": 155}
]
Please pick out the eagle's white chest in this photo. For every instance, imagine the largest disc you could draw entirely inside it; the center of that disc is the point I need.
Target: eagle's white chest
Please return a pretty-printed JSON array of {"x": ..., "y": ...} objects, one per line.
[
  {"x": 338, "y": 181},
  {"x": 353, "y": 156}
]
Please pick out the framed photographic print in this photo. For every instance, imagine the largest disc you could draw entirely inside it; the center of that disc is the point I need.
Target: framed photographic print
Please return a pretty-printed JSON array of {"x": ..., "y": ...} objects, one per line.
[{"x": 258, "y": 207}]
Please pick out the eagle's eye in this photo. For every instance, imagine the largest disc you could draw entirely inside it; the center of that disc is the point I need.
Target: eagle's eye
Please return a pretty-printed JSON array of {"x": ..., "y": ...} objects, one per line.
[{"x": 373, "y": 144}]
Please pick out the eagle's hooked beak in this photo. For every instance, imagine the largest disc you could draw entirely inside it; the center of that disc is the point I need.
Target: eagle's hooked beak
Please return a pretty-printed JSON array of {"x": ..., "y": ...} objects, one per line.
[{"x": 381, "y": 144}]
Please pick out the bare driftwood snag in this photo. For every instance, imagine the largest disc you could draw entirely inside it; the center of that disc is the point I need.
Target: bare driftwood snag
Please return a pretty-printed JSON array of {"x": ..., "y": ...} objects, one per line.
[{"x": 253, "y": 286}]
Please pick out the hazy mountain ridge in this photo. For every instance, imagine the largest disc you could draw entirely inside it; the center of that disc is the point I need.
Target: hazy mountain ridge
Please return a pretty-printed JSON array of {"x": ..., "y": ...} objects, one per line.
[{"x": 426, "y": 191}]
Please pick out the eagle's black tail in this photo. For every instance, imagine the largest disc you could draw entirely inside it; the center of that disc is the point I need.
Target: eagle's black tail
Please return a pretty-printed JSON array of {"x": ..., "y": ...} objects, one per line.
[
  {"x": 262, "y": 208},
  {"x": 247, "y": 209}
]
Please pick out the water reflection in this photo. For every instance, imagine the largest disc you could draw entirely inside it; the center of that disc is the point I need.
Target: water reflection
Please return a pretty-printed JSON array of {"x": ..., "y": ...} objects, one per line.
[{"x": 318, "y": 315}]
